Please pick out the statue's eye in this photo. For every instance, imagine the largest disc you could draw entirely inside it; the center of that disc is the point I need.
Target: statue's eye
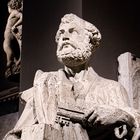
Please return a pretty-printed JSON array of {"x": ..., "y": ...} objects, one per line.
[
  {"x": 61, "y": 31},
  {"x": 71, "y": 30}
]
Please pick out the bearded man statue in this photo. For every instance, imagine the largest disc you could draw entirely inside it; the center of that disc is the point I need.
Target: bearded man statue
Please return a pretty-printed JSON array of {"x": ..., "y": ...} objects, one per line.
[{"x": 75, "y": 103}]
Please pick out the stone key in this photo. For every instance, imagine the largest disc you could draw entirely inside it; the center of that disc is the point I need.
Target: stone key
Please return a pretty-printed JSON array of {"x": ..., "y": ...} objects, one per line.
[{"x": 66, "y": 116}]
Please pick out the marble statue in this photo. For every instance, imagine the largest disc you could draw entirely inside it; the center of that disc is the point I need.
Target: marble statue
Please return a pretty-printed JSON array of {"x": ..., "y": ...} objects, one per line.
[
  {"x": 13, "y": 30},
  {"x": 75, "y": 103}
]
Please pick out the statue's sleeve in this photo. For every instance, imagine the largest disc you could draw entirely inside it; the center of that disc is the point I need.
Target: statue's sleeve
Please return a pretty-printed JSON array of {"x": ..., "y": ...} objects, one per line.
[
  {"x": 129, "y": 115},
  {"x": 122, "y": 96},
  {"x": 123, "y": 103},
  {"x": 115, "y": 95},
  {"x": 28, "y": 116}
]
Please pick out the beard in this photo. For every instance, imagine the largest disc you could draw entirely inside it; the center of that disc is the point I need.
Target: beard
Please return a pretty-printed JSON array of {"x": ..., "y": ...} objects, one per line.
[{"x": 72, "y": 56}]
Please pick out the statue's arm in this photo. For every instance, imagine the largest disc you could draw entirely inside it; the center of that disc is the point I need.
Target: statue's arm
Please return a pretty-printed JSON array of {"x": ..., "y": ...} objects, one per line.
[
  {"x": 28, "y": 116},
  {"x": 114, "y": 110},
  {"x": 19, "y": 22}
]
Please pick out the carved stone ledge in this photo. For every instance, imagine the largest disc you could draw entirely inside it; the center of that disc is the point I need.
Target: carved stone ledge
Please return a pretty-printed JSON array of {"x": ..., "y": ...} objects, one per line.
[
  {"x": 9, "y": 101},
  {"x": 9, "y": 94}
]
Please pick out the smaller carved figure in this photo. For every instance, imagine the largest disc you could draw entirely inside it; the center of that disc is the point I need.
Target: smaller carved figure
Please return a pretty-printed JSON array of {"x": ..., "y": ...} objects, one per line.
[{"x": 13, "y": 31}]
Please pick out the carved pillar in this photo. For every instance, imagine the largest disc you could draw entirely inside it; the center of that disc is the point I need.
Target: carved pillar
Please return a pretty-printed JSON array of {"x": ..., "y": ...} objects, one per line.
[{"x": 129, "y": 77}]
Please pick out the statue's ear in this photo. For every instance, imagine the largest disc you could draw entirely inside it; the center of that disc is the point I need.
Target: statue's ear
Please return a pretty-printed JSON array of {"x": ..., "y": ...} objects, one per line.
[
  {"x": 95, "y": 39},
  {"x": 96, "y": 35}
]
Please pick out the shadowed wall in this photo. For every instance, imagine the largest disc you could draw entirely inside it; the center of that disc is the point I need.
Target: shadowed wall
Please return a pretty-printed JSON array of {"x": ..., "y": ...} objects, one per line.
[
  {"x": 41, "y": 21},
  {"x": 118, "y": 22}
]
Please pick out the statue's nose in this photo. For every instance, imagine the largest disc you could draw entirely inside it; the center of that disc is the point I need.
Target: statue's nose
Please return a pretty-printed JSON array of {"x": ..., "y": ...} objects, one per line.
[{"x": 65, "y": 38}]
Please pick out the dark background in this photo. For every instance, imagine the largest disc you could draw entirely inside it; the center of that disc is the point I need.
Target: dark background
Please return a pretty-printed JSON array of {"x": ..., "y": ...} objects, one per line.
[
  {"x": 41, "y": 21},
  {"x": 118, "y": 22}
]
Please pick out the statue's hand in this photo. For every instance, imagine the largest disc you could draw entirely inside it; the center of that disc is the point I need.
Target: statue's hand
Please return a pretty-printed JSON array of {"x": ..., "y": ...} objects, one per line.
[
  {"x": 107, "y": 115},
  {"x": 99, "y": 115},
  {"x": 13, "y": 135},
  {"x": 14, "y": 30}
]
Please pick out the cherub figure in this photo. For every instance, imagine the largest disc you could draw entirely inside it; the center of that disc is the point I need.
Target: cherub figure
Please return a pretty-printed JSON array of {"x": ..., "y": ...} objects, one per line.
[{"x": 13, "y": 31}]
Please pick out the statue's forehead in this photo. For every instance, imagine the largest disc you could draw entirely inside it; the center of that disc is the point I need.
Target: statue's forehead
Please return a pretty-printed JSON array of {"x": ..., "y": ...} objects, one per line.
[{"x": 69, "y": 25}]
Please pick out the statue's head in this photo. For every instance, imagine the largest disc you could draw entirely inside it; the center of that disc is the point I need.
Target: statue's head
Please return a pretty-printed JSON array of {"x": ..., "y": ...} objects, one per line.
[
  {"x": 15, "y": 4},
  {"x": 76, "y": 40}
]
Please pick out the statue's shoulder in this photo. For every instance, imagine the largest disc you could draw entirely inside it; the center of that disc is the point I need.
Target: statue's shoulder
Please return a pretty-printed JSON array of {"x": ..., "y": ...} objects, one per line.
[
  {"x": 111, "y": 84},
  {"x": 102, "y": 82},
  {"x": 27, "y": 94},
  {"x": 108, "y": 81},
  {"x": 39, "y": 78},
  {"x": 42, "y": 77}
]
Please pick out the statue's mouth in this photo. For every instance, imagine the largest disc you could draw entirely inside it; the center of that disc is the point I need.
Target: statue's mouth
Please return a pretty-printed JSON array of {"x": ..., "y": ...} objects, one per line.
[{"x": 67, "y": 45}]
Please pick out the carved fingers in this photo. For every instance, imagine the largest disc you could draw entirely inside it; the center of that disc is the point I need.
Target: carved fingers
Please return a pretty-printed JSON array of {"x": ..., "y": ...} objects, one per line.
[
  {"x": 92, "y": 117},
  {"x": 121, "y": 131},
  {"x": 107, "y": 115}
]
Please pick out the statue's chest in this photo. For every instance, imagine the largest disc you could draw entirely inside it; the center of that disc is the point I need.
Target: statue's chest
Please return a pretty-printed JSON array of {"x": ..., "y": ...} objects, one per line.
[{"x": 72, "y": 94}]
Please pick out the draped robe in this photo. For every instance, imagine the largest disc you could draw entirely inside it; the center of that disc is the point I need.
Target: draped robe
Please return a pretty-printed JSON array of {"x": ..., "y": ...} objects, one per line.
[{"x": 51, "y": 89}]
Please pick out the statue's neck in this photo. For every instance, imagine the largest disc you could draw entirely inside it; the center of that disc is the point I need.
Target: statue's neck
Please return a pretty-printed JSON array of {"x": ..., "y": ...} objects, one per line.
[{"x": 72, "y": 71}]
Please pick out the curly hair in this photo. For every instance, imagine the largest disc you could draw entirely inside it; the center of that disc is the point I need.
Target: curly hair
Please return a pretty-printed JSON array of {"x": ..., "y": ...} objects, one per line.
[
  {"x": 93, "y": 32},
  {"x": 15, "y": 4}
]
